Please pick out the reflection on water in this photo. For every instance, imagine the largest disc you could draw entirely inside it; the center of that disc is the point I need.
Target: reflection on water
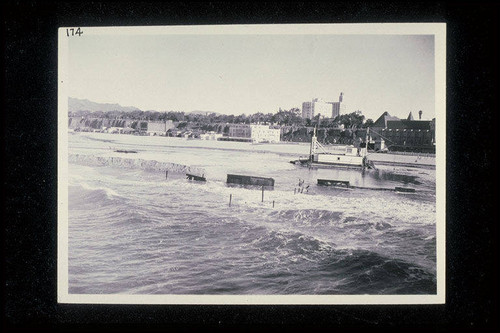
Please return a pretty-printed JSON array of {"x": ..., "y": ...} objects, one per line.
[{"x": 387, "y": 175}]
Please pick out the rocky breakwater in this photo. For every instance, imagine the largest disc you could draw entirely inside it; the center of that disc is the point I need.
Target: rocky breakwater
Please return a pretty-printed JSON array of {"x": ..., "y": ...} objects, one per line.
[{"x": 132, "y": 163}]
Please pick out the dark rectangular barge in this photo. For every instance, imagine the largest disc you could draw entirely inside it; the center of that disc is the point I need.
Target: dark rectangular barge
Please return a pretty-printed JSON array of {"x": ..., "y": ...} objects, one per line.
[{"x": 249, "y": 180}]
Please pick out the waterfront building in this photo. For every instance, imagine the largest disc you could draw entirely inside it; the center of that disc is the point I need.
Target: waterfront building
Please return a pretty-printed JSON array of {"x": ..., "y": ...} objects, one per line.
[
  {"x": 381, "y": 122},
  {"x": 96, "y": 123},
  {"x": 404, "y": 134},
  {"x": 433, "y": 130},
  {"x": 113, "y": 130},
  {"x": 240, "y": 131},
  {"x": 265, "y": 133},
  {"x": 158, "y": 127},
  {"x": 120, "y": 125},
  {"x": 210, "y": 136},
  {"x": 254, "y": 133}
]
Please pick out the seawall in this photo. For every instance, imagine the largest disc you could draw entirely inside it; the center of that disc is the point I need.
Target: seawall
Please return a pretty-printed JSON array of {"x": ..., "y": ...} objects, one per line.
[{"x": 132, "y": 163}]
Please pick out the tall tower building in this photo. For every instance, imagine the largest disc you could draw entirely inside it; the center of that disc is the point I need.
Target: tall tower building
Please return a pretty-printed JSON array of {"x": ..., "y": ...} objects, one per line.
[
  {"x": 312, "y": 108},
  {"x": 315, "y": 107},
  {"x": 338, "y": 107},
  {"x": 307, "y": 110}
]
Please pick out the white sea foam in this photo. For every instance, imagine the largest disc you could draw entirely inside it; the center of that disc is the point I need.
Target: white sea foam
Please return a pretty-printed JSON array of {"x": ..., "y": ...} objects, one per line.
[
  {"x": 154, "y": 224},
  {"x": 109, "y": 192}
]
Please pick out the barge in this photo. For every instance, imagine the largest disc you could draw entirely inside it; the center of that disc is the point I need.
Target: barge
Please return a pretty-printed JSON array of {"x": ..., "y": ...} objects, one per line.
[
  {"x": 347, "y": 156},
  {"x": 250, "y": 180}
]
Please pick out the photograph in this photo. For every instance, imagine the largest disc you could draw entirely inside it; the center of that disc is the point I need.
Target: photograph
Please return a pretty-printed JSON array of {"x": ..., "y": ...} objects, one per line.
[{"x": 252, "y": 164}]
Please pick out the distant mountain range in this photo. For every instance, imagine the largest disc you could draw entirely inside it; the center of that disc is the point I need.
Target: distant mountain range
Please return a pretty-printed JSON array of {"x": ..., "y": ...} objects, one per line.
[{"x": 76, "y": 104}]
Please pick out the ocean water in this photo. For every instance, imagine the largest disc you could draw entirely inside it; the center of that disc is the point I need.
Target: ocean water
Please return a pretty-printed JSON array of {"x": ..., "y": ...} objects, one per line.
[{"x": 134, "y": 231}]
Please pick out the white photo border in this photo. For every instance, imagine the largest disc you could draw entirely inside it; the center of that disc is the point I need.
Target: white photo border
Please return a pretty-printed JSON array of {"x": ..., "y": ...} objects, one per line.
[{"x": 436, "y": 29}]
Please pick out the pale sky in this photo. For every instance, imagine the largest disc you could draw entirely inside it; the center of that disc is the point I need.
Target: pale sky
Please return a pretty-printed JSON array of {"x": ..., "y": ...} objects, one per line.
[{"x": 235, "y": 74}]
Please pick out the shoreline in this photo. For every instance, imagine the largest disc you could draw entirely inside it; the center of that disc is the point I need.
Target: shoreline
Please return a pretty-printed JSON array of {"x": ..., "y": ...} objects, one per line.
[{"x": 292, "y": 149}]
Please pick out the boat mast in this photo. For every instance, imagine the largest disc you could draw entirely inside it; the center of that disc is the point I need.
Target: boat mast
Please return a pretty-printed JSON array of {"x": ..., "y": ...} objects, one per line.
[
  {"x": 312, "y": 149},
  {"x": 366, "y": 140}
]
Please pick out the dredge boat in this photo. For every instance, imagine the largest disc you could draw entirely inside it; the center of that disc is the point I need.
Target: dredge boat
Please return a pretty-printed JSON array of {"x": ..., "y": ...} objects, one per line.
[{"x": 347, "y": 156}]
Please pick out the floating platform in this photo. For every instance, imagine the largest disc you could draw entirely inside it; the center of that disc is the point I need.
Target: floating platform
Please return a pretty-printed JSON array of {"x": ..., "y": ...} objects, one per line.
[
  {"x": 346, "y": 184},
  {"x": 333, "y": 182},
  {"x": 249, "y": 180},
  {"x": 194, "y": 177}
]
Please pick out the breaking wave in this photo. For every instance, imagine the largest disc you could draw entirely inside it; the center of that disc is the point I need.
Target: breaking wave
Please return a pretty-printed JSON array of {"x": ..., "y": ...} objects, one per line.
[{"x": 132, "y": 163}]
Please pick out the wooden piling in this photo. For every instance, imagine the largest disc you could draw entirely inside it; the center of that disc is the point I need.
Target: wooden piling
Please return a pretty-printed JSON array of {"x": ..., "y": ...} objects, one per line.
[
  {"x": 273, "y": 203},
  {"x": 262, "y": 193},
  {"x": 166, "y": 174},
  {"x": 230, "y": 198}
]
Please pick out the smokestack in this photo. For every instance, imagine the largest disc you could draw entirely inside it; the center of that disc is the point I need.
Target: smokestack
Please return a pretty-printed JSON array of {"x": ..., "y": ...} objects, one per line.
[{"x": 420, "y": 115}]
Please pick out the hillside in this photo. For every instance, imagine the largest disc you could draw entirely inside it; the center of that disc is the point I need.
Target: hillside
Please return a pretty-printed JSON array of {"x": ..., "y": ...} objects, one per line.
[{"x": 76, "y": 104}]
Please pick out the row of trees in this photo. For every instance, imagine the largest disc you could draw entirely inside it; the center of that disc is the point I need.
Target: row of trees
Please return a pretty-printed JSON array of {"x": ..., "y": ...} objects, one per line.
[{"x": 290, "y": 117}]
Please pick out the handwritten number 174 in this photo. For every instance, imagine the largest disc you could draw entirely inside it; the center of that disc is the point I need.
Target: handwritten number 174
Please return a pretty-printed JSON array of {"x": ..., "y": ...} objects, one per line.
[{"x": 74, "y": 32}]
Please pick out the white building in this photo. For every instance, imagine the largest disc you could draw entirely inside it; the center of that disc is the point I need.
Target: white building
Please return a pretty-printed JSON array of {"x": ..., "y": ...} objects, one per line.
[
  {"x": 257, "y": 133},
  {"x": 315, "y": 107},
  {"x": 265, "y": 133},
  {"x": 326, "y": 109},
  {"x": 210, "y": 136},
  {"x": 112, "y": 130}
]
